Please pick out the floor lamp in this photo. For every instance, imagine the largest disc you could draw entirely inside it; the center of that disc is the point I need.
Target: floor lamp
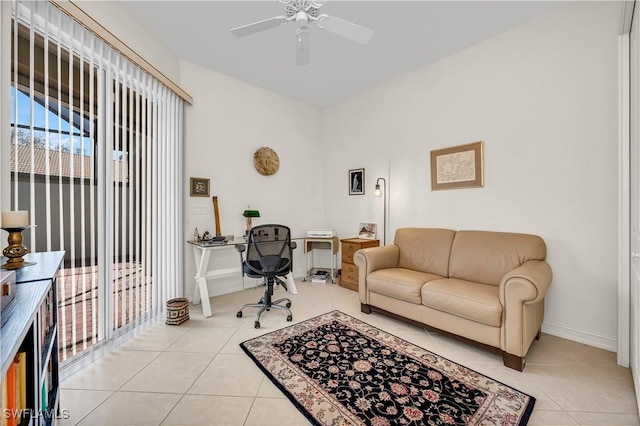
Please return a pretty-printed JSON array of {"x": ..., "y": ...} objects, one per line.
[{"x": 378, "y": 193}]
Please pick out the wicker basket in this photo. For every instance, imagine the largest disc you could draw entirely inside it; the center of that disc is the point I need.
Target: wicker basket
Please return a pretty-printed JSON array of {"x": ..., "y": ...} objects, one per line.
[{"x": 177, "y": 311}]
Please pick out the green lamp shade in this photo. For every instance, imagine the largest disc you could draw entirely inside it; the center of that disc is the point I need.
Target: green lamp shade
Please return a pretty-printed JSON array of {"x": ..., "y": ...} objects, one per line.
[{"x": 251, "y": 213}]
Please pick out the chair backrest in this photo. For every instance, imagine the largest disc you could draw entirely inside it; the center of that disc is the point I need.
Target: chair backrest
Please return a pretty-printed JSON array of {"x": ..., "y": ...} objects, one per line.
[{"x": 269, "y": 249}]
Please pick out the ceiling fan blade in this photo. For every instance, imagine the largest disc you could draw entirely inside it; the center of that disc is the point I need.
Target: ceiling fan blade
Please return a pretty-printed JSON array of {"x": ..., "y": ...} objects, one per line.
[
  {"x": 345, "y": 29},
  {"x": 303, "y": 45},
  {"x": 256, "y": 27}
]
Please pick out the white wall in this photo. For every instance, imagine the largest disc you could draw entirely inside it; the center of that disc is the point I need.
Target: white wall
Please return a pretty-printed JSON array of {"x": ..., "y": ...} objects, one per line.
[
  {"x": 543, "y": 98},
  {"x": 228, "y": 122}
]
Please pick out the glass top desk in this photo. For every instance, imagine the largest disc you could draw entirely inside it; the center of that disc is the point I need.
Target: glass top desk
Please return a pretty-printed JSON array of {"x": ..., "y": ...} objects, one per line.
[{"x": 201, "y": 254}]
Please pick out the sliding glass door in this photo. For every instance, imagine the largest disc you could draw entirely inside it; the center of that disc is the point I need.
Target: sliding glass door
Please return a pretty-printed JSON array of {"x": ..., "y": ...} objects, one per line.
[{"x": 95, "y": 150}]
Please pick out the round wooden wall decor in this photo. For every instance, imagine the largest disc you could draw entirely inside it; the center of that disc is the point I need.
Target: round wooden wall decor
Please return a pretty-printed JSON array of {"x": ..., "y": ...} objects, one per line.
[{"x": 266, "y": 161}]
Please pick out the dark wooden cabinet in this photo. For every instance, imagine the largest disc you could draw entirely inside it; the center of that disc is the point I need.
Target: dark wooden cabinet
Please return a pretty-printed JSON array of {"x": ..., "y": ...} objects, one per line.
[
  {"x": 29, "y": 342},
  {"x": 349, "y": 273}
]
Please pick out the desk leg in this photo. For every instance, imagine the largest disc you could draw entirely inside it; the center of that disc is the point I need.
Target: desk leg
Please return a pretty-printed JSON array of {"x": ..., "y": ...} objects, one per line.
[
  {"x": 335, "y": 266},
  {"x": 291, "y": 283},
  {"x": 200, "y": 291},
  {"x": 306, "y": 263}
]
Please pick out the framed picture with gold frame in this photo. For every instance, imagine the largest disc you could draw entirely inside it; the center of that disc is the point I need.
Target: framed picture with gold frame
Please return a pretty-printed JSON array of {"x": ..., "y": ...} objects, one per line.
[
  {"x": 199, "y": 187},
  {"x": 457, "y": 167}
]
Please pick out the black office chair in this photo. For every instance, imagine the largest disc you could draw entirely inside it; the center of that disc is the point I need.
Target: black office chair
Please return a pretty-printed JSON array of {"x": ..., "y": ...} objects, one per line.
[{"x": 269, "y": 256}]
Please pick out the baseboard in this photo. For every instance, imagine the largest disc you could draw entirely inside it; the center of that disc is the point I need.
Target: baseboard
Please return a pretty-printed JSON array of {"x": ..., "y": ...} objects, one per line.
[{"x": 581, "y": 336}]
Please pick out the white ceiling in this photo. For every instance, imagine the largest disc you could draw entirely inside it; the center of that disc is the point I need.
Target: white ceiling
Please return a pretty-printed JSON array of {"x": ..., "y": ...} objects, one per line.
[{"x": 408, "y": 35}]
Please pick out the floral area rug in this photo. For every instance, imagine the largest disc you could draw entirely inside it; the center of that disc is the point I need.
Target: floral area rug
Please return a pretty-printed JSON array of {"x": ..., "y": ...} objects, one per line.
[{"x": 338, "y": 370}]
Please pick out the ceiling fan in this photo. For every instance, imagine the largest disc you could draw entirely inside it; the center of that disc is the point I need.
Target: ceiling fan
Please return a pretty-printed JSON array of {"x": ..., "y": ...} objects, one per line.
[{"x": 303, "y": 13}]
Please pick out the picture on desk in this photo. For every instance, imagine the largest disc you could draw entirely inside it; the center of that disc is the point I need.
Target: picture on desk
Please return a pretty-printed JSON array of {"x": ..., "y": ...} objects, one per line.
[{"x": 368, "y": 231}]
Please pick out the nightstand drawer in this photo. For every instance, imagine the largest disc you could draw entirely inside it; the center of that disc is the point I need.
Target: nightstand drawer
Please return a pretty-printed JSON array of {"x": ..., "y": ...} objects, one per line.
[
  {"x": 348, "y": 249},
  {"x": 349, "y": 273}
]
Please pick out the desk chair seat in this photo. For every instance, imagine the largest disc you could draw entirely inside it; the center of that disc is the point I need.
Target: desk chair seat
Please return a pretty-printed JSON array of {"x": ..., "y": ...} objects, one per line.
[{"x": 269, "y": 256}]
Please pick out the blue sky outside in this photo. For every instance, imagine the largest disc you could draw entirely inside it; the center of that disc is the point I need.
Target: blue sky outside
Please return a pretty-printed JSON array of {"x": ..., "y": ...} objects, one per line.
[{"x": 59, "y": 128}]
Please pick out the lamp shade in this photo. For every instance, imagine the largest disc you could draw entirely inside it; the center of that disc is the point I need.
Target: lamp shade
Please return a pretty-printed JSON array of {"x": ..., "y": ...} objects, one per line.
[
  {"x": 377, "y": 192},
  {"x": 251, "y": 213}
]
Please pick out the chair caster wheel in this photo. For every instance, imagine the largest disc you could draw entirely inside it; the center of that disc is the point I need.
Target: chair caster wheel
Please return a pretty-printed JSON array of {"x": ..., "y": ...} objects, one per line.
[
  {"x": 289, "y": 318},
  {"x": 256, "y": 324},
  {"x": 239, "y": 314},
  {"x": 288, "y": 304}
]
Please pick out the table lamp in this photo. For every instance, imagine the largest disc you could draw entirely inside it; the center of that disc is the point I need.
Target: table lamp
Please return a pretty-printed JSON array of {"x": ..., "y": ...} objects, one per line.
[
  {"x": 14, "y": 222},
  {"x": 249, "y": 214}
]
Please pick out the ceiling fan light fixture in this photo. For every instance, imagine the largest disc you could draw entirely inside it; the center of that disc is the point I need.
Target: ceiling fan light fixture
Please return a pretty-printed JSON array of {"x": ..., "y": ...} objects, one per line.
[
  {"x": 302, "y": 16},
  {"x": 303, "y": 12}
]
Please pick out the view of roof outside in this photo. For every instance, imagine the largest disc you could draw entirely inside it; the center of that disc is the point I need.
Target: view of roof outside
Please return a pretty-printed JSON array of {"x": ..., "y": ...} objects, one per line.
[
  {"x": 60, "y": 135},
  {"x": 60, "y": 140}
]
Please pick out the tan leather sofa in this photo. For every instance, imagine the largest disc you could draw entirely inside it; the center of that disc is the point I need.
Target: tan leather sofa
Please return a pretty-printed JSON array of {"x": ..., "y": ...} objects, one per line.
[{"x": 481, "y": 286}]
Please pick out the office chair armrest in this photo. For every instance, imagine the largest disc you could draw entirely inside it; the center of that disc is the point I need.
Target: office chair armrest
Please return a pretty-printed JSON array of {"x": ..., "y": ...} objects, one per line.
[{"x": 240, "y": 248}]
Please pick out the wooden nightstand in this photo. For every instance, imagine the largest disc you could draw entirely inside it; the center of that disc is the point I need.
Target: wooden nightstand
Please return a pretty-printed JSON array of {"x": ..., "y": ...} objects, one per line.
[{"x": 349, "y": 277}]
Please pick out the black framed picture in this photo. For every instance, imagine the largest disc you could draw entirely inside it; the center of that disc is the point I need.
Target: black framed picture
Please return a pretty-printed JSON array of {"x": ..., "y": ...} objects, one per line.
[
  {"x": 199, "y": 187},
  {"x": 356, "y": 182}
]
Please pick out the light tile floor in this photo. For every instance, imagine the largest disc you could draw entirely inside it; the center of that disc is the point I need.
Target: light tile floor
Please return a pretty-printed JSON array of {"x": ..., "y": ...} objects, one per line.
[{"x": 196, "y": 374}]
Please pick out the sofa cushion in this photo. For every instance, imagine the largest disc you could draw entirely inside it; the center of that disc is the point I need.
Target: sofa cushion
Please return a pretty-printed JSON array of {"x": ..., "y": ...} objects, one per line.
[
  {"x": 399, "y": 283},
  {"x": 424, "y": 249},
  {"x": 486, "y": 257},
  {"x": 466, "y": 299}
]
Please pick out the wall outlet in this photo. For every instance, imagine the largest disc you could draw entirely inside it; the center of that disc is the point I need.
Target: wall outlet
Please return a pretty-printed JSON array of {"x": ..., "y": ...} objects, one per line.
[{"x": 200, "y": 210}]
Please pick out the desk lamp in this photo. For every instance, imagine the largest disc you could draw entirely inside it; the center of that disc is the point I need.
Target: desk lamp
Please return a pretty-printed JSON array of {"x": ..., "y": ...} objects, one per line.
[{"x": 249, "y": 214}]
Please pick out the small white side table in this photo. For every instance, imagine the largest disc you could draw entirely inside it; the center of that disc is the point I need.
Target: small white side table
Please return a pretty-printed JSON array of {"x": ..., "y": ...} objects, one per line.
[{"x": 330, "y": 243}]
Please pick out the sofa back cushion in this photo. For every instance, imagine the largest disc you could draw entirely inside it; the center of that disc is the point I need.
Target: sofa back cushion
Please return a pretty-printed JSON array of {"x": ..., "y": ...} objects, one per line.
[
  {"x": 486, "y": 257},
  {"x": 424, "y": 249}
]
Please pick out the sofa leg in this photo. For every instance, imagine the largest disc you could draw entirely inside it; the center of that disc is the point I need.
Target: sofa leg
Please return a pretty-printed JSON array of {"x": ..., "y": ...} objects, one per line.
[
  {"x": 539, "y": 335},
  {"x": 513, "y": 361},
  {"x": 366, "y": 309}
]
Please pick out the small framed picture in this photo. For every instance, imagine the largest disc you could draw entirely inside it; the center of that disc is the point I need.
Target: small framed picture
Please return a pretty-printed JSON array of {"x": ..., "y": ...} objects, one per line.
[
  {"x": 356, "y": 182},
  {"x": 199, "y": 187},
  {"x": 368, "y": 231}
]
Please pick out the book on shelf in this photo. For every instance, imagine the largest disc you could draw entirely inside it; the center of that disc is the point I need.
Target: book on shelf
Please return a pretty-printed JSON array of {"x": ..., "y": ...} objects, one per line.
[
  {"x": 44, "y": 400},
  {"x": 5, "y": 399},
  {"x": 11, "y": 395},
  {"x": 21, "y": 378},
  {"x": 14, "y": 390},
  {"x": 46, "y": 318}
]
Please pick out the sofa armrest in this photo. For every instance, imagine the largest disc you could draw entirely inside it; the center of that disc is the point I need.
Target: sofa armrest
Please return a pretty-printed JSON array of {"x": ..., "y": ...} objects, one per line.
[
  {"x": 522, "y": 294},
  {"x": 536, "y": 273},
  {"x": 371, "y": 259}
]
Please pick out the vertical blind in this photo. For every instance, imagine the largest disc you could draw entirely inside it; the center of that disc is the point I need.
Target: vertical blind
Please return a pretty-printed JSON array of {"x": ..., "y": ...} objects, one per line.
[{"x": 96, "y": 158}]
